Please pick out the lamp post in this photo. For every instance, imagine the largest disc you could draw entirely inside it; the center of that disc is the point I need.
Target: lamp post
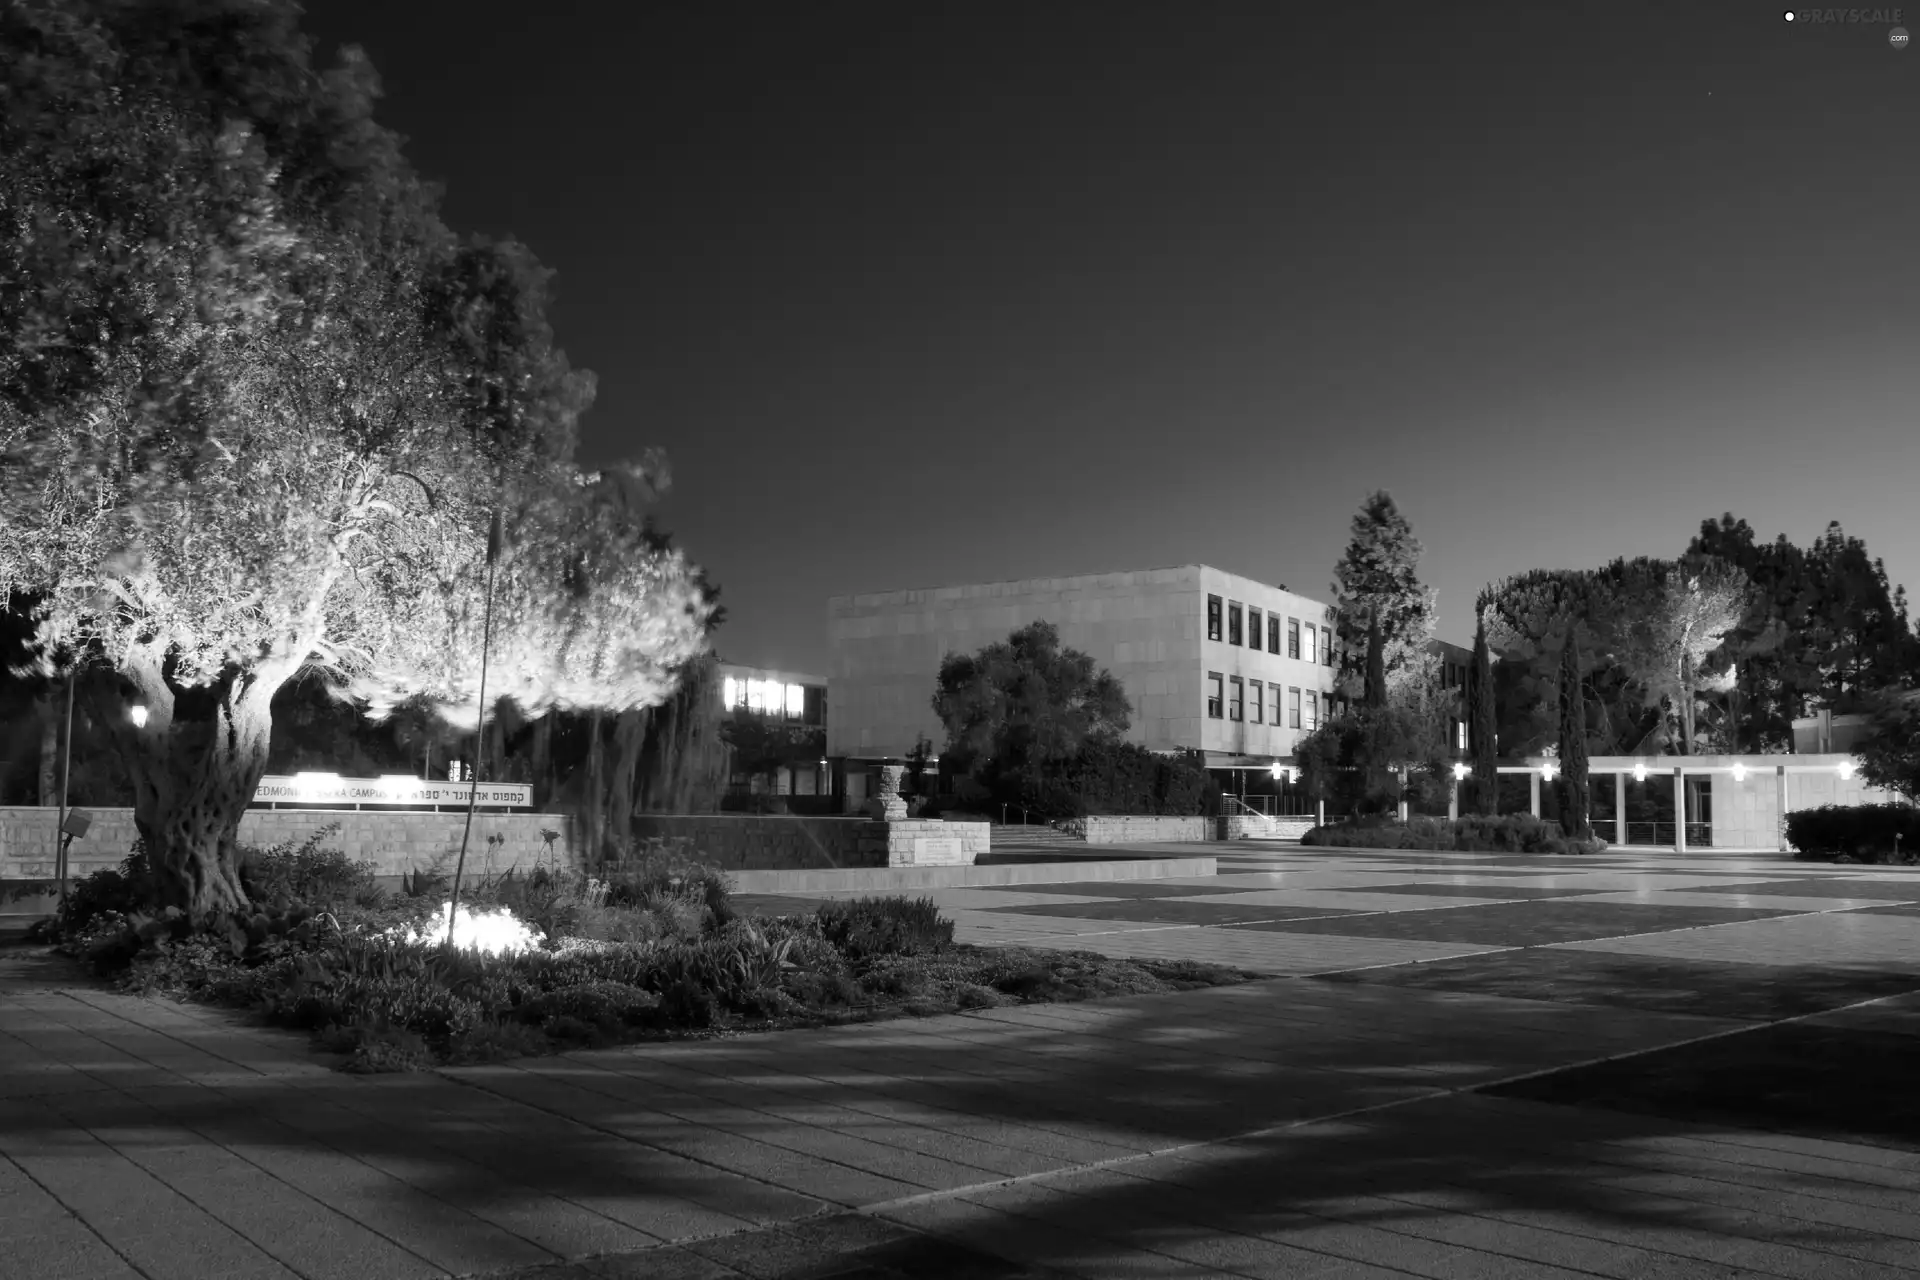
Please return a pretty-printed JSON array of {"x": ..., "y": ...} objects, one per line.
[{"x": 473, "y": 791}]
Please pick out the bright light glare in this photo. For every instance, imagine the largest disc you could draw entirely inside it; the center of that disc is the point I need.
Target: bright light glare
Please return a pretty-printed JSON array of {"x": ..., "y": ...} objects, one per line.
[
  {"x": 729, "y": 693},
  {"x": 1548, "y": 769},
  {"x": 495, "y": 932},
  {"x": 1460, "y": 770},
  {"x": 796, "y": 699},
  {"x": 1845, "y": 768},
  {"x": 1278, "y": 771},
  {"x": 1739, "y": 771},
  {"x": 1639, "y": 773},
  {"x": 139, "y": 717}
]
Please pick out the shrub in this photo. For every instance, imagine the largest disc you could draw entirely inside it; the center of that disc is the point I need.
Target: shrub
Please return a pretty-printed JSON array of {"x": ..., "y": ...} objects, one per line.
[
  {"x": 1863, "y": 833},
  {"x": 1472, "y": 833},
  {"x": 870, "y": 927},
  {"x": 307, "y": 873}
]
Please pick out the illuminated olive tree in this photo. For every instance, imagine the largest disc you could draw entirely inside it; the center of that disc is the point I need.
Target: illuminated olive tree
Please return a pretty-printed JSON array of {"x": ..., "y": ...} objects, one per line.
[{"x": 257, "y": 405}]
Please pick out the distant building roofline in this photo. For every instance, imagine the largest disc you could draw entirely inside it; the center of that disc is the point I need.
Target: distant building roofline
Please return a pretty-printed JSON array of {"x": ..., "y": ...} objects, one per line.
[{"x": 1055, "y": 577}]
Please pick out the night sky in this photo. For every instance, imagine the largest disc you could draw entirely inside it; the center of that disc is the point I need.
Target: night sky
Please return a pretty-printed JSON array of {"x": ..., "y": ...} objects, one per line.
[{"x": 916, "y": 294}]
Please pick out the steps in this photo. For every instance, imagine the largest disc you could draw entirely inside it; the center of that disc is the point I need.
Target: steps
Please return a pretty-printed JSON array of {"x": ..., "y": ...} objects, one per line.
[{"x": 1033, "y": 835}]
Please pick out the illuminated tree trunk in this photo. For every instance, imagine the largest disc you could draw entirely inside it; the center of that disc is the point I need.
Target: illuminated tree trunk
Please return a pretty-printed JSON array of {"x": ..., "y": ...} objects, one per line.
[
  {"x": 629, "y": 736},
  {"x": 193, "y": 779}
]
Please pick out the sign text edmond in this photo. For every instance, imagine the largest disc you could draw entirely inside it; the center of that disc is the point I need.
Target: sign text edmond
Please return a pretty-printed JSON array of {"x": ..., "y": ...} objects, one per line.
[{"x": 330, "y": 788}]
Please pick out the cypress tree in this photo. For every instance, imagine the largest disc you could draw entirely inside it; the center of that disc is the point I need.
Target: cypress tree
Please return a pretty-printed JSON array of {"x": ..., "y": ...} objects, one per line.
[
  {"x": 1573, "y": 742},
  {"x": 1480, "y": 729}
]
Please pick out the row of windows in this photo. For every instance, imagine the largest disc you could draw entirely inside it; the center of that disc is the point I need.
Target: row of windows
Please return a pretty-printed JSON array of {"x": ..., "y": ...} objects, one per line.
[
  {"x": 1236, "y": 698},
  {"x": 1314, "y": 644}
]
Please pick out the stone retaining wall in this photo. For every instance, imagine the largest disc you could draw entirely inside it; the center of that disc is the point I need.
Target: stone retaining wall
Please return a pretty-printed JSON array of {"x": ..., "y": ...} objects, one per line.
[
  {"x": 1120, "y": 829},
  {"x": 756, "y": 842},
  {"x": 394, "y": 842},
  {"x": 1241, "y": 826}
]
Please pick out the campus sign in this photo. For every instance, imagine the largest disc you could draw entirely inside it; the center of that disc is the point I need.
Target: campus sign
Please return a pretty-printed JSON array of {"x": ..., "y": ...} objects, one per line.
[{"x": 331, "y": 788}]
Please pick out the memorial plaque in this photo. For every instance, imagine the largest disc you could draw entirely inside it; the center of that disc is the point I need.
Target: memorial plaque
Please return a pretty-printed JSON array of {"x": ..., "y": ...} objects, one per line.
[{"x": 936, "y": 851}]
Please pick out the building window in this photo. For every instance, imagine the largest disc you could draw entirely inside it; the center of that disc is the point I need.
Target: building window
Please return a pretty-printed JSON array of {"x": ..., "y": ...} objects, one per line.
[
  {"x": 1313, "y": 710},
  {"x": 1255, "y": 713},
  {"x": 1308, "y": 652},
  {"x": 1214, "y": 681},
  {"x": 1233, "y": 624},
  {"x": 1236, "y": 708},
  {"x": 1293, "y": 707},
  {"x": 1293, "y": 637},
  {"x": 1273, "y": 633},
  {"x": 1213, "y": 617},
  {"x": 1276, "y": 699},
  {"x": 1326, "y": 647},
  {"x": 1460, "y": 734},
  {"x": 1253, "y": 627}
]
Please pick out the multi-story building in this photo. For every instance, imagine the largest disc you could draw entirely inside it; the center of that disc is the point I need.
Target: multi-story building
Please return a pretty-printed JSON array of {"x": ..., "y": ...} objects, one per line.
[
  {"x": 792, "y": 708},
  {"x": 1456, "y": 670},
  {"x": 1211, "y": 662}
]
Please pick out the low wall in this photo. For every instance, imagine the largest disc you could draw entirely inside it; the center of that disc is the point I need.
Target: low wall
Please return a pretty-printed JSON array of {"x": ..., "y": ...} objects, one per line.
[
  {"x": 1241, "y": 826},
  {"x": 1112, "y": 829},
  {"x": 767, "y": 842},
  {"x": 394, "y": 842}
]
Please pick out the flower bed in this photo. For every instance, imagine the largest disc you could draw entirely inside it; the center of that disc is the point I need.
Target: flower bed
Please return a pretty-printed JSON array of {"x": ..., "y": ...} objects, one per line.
[{"x": 550, "y": 962}]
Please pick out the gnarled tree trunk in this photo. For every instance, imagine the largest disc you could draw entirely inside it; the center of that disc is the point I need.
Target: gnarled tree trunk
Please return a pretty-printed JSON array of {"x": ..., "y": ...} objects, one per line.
[{"x": 194, "y": 779}]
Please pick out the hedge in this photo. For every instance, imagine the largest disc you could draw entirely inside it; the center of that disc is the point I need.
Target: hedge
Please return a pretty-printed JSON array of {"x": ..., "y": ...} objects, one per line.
[
  {"x": 1858, "y": 833},
  {"x": 1473, "y": 833}
]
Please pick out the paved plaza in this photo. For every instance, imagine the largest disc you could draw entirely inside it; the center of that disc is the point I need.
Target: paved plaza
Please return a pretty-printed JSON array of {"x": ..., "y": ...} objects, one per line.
[{"x": 1463, "y": 1066}]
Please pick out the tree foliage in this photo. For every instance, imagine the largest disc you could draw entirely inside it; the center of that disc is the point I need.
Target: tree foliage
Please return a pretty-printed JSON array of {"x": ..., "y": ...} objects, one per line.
[
  {"x": 257, "y": 404},
  {"x": 1026, "y": 703},
  {"x": 1377, "y": 581}
]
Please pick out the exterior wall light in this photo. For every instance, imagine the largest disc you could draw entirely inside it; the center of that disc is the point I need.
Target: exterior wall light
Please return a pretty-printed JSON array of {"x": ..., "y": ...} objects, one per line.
[
  {"x": 1639, "y": 772},
  {"x": 1845, "y": 770},
  {"x": 1739, "y": 771},
  {"x": 139, "y": 714},
  {"x": 1278, "y": 771},
  {"x": 1460, "y": 771},
  {"x": 1548, "y": 769}
]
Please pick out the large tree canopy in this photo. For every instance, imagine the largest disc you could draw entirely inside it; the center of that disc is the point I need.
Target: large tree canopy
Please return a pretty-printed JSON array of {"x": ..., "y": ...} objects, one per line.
[
  {"x": 257, "y": 405},
  {"x": 1026, "y": 704}
]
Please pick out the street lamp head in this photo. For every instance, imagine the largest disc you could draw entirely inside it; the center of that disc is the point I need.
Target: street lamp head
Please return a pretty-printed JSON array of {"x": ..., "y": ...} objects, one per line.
[{"x": 139, "y": 714}]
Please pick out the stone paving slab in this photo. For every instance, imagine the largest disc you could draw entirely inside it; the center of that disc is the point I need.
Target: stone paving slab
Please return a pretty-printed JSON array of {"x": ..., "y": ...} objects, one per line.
[
  {"x": 1831, "y": 939},
  {"x": 1524, "y": 924}
]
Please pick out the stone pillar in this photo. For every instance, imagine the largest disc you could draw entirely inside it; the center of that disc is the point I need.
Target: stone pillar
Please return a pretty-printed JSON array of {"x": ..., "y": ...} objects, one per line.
[
  {"x": 1453, "y": 800},
  {"x": 1319, "y": 813},
  {"x": 886, "y": 804},
  {"x": 1620, "y": 806},
  {"x": 1780, "y": 799},
  {"x": 1533, "y": 792},
  {"x": 1679, "y": 809},
  {"x": 1403, "y": 795}
]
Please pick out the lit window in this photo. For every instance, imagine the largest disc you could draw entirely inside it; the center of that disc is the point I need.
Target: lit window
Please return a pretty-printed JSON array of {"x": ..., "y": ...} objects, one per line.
[
  {"x": 729, "y": 693},
  {"x": 1460, "y": 734},
  {"x": 1255, "y": 713},
  {"x": 1313, "y": 710},
  {"x": 1308, "y": 654},
  {"x": 756, "y": 695},
  {"x": 1214, "y": 698},
  {"x": 1213, "y": 617},
  {"x": 1293, "y": 637},
  {"x": 1236, "y": 708},
  {"x": 796, "y": 700},
  {"x": 1253, "y": 627},
  {"x": 1273, "y": 633},
  {"x": 1293, "y": 707},
  {"x": 1233, "y": 625}
]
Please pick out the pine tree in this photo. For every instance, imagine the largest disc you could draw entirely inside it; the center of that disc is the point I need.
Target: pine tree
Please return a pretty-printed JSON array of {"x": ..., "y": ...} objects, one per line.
[
  {"x": 1576, "y": 813},
  {"x": 1481, "y": 731}
]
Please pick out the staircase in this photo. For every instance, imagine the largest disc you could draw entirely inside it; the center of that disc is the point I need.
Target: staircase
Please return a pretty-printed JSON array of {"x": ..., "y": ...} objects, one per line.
[{"x": 1013, "y": 835}]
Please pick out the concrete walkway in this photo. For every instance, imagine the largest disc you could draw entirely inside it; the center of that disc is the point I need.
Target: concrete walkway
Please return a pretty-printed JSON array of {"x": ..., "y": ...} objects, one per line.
[{"x": 1350, "y": 1120}]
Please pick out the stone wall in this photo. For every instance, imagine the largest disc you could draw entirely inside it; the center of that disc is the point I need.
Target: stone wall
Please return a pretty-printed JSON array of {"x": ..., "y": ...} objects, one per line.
[
  {"x": 753, "y": 842},
  {"x": 1109, "y": 829},
  {"x": 394, "y": 842},
  {"x": 1241, "y": 826}
]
